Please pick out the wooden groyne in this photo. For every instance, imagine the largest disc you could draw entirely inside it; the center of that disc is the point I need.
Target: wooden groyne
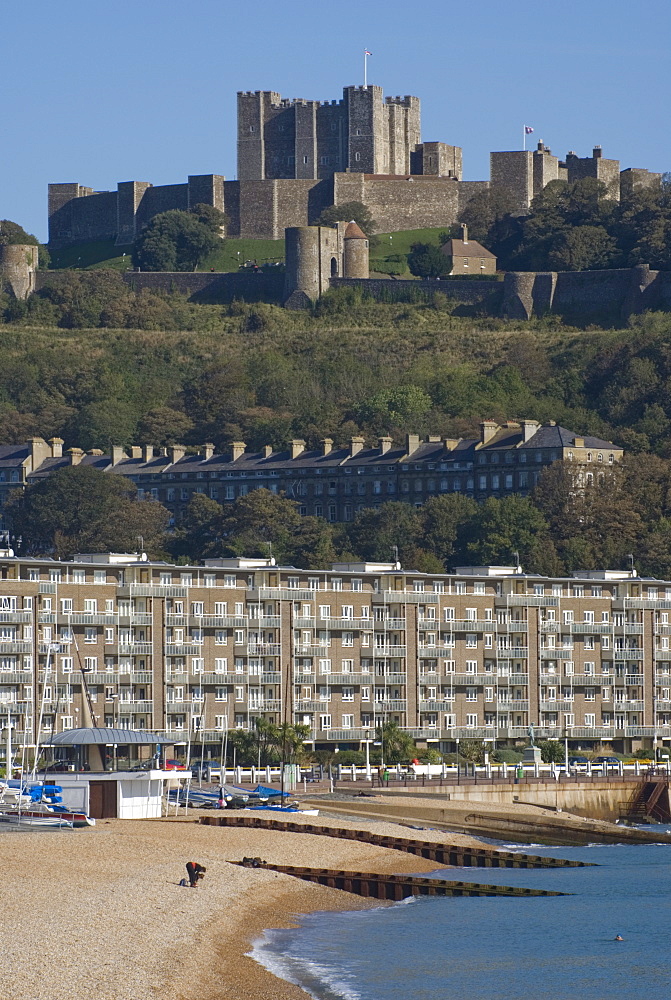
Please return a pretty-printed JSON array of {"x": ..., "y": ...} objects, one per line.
[
  {"x": 393, "y": 887},
  {"x": 449, "y": 855}
]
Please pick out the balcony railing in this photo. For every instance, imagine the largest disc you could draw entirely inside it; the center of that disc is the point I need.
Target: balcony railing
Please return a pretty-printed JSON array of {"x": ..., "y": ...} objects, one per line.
[
  {"x": 135, "y": 648},
  {"x": 17, "y": 646}
]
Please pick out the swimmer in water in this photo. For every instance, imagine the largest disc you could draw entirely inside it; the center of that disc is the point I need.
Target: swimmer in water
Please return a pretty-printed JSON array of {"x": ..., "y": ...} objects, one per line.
[{"x": 618, "y": 937}]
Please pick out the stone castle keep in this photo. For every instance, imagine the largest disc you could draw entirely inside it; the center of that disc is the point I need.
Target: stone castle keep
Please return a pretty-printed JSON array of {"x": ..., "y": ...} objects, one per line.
[{"x": 297, "y": 157}]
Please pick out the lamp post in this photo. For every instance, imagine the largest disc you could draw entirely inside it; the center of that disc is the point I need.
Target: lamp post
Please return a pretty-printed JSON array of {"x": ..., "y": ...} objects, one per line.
[
  {"x": 115, "y": 719},
  {"x": 458, "y": 771},
  {"x": 368, "y": 774},
  {"x": 224, "y": 752}
]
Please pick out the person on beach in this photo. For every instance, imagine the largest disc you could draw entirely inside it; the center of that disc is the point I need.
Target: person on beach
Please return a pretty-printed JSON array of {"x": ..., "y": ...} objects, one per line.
[{"x": 195, "y": 872}]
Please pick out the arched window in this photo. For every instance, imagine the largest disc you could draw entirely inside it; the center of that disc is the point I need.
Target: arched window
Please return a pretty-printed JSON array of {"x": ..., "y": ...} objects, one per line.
[{"x": 334, "y": 267}]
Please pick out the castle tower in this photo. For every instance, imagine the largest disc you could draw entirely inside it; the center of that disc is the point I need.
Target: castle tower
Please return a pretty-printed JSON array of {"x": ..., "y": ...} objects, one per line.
[
  {"x": 312, "y": 257},
  {"x": 18, "y": 263},
  {"x": 368, "y": 130},
  {"x": 355, "y": 253}
]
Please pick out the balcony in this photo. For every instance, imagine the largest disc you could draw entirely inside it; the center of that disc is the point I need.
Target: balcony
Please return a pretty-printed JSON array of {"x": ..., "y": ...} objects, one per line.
[
  {"x": 137, "y": 707},
  {"x": 393, "y": 705},
  {"x": 550, "y": 627},
  {"x": 221, "y": 621},
  {"x": 380, "y": 651},
  {"x": 180, "y": 649},
  {"x": 346, "y": 624},
  {"x": 141, "y": 619},
  {"x": 512, "y": 678},
  {"x": 184, "y": 707},
  {"x": 468, "y": 678},
  {"x": 152, "y": 590},
  {"x": 264, "y": 649},
  {"x": 629, "y": 706},
  {"x": 344, "y": 735},
  {"x": 282, "y": 594},
  {"x": 15, "y": 708},
  {"x": 470, "y": 625},
  {"x": 512, "y": 652},
  {"x": 133, "y": 676},
  {"x": 633, "y": 678},
  {"x": 135, "y": 649},
  {"x": 591, "y": 680},
  {"x": 15, "y": 616},
  {"x": 89, "y": 618},
  {"x": 528, "y": 601},
  {"x": 436, "y": 706},
  {"x": 592, "y": 628},
  {"x": 404, "y": 597},
  {"x": 309, "y": 649},
  {"x": 556, "y": 706},
  {"x": 634, "y": 628},
  {"x": 393, "y": 624},
  {"x": 16, "y": 677},
  {"x": 340, "y": 679},
  {"x": 433, "y": 652},
  {"x": 267, "y": 705},
  {"x": 518, "y": 625},
  {"x": 312, "y": 705},
  {"x": 556, "y": 654},
  {"x": 17, "y": 646},
  {"x": 631, "y": 653}
]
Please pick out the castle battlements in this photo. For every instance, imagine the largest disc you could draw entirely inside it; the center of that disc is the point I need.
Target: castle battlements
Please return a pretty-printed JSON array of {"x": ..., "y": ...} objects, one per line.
[{"x": 297, "y": 157}]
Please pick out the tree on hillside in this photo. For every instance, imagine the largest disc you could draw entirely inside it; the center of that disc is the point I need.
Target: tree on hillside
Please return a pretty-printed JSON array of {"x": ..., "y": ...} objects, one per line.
[
  {"x": 212, "y": 217},
  {"x": 405, "y": 407},
  {"x": 11, "y": 233},
  {"x": 426, "y": 260},
  {"x": 174, "y": 241},
  {"x": 80, "y": 509},
  {"x": 376, "y": 532},
  {"x": 445, "y": 526},
  {"x": 502, "y": 527},
  {"x": 349, "y": 211}
]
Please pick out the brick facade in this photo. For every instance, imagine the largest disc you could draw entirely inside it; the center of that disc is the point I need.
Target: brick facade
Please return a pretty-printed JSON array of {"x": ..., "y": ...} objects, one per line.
[{"x": 481, "y": 653}]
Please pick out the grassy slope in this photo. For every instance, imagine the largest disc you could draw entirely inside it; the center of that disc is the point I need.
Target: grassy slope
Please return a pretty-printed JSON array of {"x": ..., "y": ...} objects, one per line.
[{"x": 231, "y": 254}]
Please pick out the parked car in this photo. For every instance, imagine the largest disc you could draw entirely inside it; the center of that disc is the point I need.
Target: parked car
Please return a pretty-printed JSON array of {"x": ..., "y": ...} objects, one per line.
[
  {"x": 610, "y": 762},
  {"x": 175, "y": 765},
  {"x": 200, "y": 768},
  {"x": 580, "y": 763}
]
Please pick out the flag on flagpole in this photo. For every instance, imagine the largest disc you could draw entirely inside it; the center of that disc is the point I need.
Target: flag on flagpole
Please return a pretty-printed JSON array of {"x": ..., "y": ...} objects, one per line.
[
  {"x": 367, "y": 53},
  {"x": 528, "y": 129}
]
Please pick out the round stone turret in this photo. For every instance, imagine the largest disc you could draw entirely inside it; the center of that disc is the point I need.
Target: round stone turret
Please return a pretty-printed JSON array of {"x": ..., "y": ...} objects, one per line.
[
  {"x": 18, "y": 263},
  {"x": 355, "y": 255}
]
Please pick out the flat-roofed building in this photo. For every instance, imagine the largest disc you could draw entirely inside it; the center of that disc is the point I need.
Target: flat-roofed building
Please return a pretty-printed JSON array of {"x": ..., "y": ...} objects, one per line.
[{"x": 192, "y": 651}]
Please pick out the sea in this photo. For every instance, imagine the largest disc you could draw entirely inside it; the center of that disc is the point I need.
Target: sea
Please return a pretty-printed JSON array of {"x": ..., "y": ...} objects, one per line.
[{"x": 506, "y": 948}]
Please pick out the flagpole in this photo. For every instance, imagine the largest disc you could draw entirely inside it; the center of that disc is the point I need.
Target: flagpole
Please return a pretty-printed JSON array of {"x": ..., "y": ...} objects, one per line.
[
  {"x": 524, "y": 138},
  {"x": 365, "y": 69}
]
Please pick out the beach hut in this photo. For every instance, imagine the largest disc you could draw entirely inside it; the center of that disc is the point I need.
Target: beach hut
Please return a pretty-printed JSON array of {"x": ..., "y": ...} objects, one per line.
[{"x": 91, "y": 781}]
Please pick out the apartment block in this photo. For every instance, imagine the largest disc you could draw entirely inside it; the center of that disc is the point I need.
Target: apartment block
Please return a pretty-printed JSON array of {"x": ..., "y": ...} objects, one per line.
[{"x": 195, "y": 651}]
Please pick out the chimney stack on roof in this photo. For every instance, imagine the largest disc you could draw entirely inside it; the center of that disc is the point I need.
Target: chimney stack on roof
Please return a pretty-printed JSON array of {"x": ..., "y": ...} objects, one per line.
[
  {"x": 176, "y": 451},
  {"x": 356, "y": 445},
  {"x": 76, "y": 455},
  {"x": 578, "y": 442},
  {"x": 39, "y": 451},
  {"x": 118, "y": 454},
  {"x": 208, "y": 450},
  {"x": 147, "y": 452},
  {"x": 327, "y": 446},
  {"x": 451, "y": 443},
  {"x": 297, "y": 447},
  {"x": 411, "y": 443},
  {"x": 464, "y": 233},
  {"x": 597, "y": 152},
  {"x": 488, "y": 430},
  {"x": 237, "y": 450},
  {"x": 96, "y": 452},
  {"x": 529, "y": 428},
  {"x": 267, "y": 450},
  {"x": 385, "y": 445},
  {"x": 135, "y": 451},
  {"x": 57, "y": 447}
]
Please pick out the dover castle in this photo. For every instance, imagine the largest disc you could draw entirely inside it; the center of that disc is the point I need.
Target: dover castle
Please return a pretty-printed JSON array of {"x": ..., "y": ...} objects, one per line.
[{"x": 297, "y": 157}]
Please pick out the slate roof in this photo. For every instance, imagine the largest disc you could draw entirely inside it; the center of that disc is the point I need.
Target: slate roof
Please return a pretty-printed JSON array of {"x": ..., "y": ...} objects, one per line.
[{"x": 457, "y": 248}]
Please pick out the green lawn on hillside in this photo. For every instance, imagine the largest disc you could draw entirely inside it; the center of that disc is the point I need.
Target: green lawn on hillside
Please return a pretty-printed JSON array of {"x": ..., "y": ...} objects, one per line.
[
  {"x": 232, "y": 253},
  {"x": 93, "y": 253}
]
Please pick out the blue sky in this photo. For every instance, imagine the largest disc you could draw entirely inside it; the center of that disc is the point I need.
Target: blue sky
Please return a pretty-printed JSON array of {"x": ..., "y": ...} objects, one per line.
[{"x": 145, "y": 89}]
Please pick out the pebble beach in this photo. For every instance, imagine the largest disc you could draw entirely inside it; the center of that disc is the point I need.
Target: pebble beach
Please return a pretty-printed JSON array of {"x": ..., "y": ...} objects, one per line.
[{"x": 100, "y": 913}]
